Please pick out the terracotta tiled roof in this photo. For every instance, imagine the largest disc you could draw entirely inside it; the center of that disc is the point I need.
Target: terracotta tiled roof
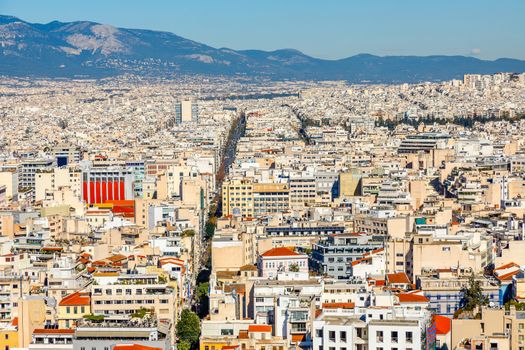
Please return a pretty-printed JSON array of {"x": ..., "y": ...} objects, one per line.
[
  {"x": 116, "y": 258},
  {"x": 76, "y": 299},
  {"x": 506, "y": 266},
  {"x": 279, "y": 252},
  {"x": 508, "y": 276},
  {"x": 413, "y": 297},
  {"x": 259, "y": 328},
  {"x": 443, "y": 324},
  {"x": 397, "y": 278},
  {"x": 297, "y": 338},
  {"x": 338, "y": 305}
]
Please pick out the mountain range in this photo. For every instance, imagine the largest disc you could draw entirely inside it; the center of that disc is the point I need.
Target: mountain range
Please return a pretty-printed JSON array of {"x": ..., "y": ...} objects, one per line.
[{"x": 88, "y": 49}]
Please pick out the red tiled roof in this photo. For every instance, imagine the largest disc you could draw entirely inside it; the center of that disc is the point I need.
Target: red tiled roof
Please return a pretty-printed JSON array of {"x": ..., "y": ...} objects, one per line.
[
  {"x": 376, "y": 282},
  {"x": 133, "y": 347},
  {"x": 506, "y": 266},
  {"x": 443, "y": 324},
  {"x": 508, "y": 276},
  {"x": 297, "y": 338},
  {"x": 76, "y": 299},
  {"x": 57, "y": 249},
  {"x": 358, "y": 261},
  {"x": 338, "y": 305},
  {"x": 53, "y": 331},
  {"x": 279, "y": 252},
  {"x": 229, "y": 347},
  {"x": 259, "y": 328},
  {"x": 397, "y": 278},
  {"x": 116, "y": 258},
  {"x": 14, "y": 322},
  {"x": 412, "y": 298}
]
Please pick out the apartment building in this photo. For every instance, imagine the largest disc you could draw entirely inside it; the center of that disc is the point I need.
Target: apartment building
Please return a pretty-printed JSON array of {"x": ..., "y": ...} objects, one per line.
[
  {"x": 115, "y": 294},
  {"x": 333, "y": 256}
]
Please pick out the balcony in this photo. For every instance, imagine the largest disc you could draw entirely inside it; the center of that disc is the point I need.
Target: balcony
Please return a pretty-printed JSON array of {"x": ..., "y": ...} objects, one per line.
[{"x": 298, "y": 328}]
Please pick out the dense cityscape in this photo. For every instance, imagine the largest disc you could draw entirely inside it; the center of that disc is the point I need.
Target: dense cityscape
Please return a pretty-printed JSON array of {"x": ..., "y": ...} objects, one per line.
[
  {"x": 262, "y": 175},
  {"x": 218, "y": 213}
]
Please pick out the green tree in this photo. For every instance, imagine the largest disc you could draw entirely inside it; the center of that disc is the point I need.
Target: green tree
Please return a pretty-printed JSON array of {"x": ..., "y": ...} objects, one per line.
[
  {"x": 188, "y": 233},
  {"x": 189, "y": 328},
  {"x": 202, "y": 290},
  {"x": 294, "y": 268},
  {"x": 473, "y": 295},
  {"x": 183, "y": 345},
  {"x": 202, "y": 299}
]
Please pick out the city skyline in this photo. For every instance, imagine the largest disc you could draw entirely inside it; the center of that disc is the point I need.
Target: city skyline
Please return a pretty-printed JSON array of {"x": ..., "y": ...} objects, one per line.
[{"x": 330, "y": 32}]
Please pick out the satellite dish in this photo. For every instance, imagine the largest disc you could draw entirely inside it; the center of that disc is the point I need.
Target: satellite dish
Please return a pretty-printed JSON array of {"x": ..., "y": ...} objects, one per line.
[{"x": 491, "y": 304}]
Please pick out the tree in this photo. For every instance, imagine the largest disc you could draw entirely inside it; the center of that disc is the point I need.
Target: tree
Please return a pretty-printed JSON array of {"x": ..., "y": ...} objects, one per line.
[
  {"x": 188, "y": 233},
  {"x": 202, "y": 290},
  {"x": 294, "y": 268},
  {"x": 189, "y": 328},
  {"x": 183, "y": 345},
  {"x": 141, "y": 313},
  {"x": 473, "y": 295},
  {"x": 202, "y": 299}
]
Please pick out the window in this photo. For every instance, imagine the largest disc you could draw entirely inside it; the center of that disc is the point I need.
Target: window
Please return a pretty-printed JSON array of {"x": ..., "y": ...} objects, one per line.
[
  {"x": 409, "y": 337},
  {"x": 319, "y": 333},
  {"x": 379, "y": 336},
  {"x": 395, "y": 337},
  {"x": 342, "y": 335},
  {"x": 331, "y": 335},
  {"x": 228, "y": 331}
]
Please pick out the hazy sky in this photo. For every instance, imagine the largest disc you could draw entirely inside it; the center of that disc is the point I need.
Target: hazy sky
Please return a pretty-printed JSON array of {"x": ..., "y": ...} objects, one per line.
[{"x": 324, "y": 28}]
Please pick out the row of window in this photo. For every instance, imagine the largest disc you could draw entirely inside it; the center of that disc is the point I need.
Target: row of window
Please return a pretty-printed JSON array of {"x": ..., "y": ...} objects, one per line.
[
  {"x": 394, "y": 337},
  {"x": 140, "y": 301}
]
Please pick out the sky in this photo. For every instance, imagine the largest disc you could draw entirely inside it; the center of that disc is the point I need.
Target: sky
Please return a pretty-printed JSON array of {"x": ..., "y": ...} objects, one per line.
[{"x": 329, "y": 29}]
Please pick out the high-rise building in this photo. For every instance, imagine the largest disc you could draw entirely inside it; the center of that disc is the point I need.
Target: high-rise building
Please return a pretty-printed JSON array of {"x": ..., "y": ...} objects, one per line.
[{"x": 186, "y": 111}]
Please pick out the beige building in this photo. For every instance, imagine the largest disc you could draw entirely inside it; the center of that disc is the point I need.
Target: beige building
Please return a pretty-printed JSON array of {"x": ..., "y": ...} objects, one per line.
[
  {"x": 428, "y": 252},
  {"x": 232, "y": 250},
  {"x": 125, "y": 294},
  {"x": 349, "y": 183},
  {"x": 31, "y": 315},
  {"x": 237, "y": 198},
  {"x": 9, "y": 178},
  {"x": 54, "y": 179},
  {"x": 496, "y": 329}
]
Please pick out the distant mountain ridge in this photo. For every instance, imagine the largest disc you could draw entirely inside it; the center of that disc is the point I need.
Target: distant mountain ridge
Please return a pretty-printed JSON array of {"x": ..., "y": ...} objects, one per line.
[{"x": 89, "y": 49}]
